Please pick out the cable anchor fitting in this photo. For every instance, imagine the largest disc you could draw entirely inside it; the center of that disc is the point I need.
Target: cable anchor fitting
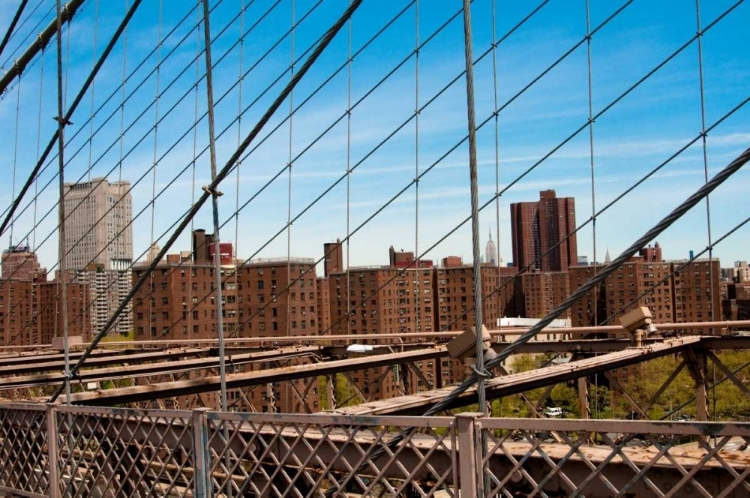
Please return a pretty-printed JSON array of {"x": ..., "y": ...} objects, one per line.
[
  {"x": 484, "y": 373},
  {"x": 63, "y": 121},
  {"x": 212, "y": 191}
]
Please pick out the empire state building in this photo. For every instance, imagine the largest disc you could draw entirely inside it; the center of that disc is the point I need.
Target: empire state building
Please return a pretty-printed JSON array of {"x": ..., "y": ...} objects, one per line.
[{"x": 490, "y": 251}]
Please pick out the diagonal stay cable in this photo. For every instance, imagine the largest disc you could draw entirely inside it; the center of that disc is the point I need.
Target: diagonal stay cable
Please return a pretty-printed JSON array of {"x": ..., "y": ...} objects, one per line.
[
  {"x": 114, "y": 93},
  {"x": 359, "y": 163},
  {"x": 677, "y": 270},
  {"x": 440, "y": 159},
  {"x": 114, "y": 112},
  {"x": 654, "y": 232},
  {"x": 13, "y": 22},
  {"x": 71, "y": 110},
  {"x": 368, "y": 43},
  {"x": 169, "y": 111},
  {"x": 635, "y": 185},
  {"x": 221, "y": 175},
  {"x": 31, "y": 32},
  {"x": 176, "y": 177},
  {"x": 662, "y": 225}
]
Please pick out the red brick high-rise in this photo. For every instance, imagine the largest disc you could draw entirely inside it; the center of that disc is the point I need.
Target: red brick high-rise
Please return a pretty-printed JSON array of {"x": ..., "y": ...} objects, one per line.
[
  {"x": 536, "y": 227},
  {"x": 19, "y": 263}
]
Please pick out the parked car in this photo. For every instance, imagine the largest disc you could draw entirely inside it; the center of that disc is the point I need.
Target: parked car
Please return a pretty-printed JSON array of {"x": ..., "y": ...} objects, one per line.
[{"x": 553, "y": 412}]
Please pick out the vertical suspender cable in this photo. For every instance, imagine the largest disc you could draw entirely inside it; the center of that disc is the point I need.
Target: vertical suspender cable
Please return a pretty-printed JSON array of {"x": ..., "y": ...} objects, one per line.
[
  {"x": 289, "y": 182},
  {"x": 36, "y": 181},
  {"x": 705, "y": 156},
  {"x": 62, "y": 281},
  {"x": 590, "y": 85},
  {"x": 417, "y": 296},
  {"x": 15, "y": 151},
  {"x": 155, "y": 154},
  {"x": 214, "y": 202},
  {"x": 497, "y": 154},
  {"x": 239, "y": 167},
  {"x": 474, "y": 203},
  {"x": 93, "y": 88},
  {"x": 709, "y": 235},
  {"x": 348, "y": 170},
  {"x": 194, "y": 249}
]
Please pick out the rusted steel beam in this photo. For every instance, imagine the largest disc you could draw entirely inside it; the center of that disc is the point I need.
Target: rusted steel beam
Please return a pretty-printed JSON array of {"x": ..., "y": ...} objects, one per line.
[
  {"x": 209, "y": 384},
  {"x": 148, "y": 369},
  {"x": 525, "y": 381},
  {"x": 510, "y": 332},
  {"x": 31, "y": 366}
]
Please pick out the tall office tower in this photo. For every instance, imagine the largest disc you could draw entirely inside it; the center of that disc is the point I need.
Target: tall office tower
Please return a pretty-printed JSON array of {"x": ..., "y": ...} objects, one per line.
[
  {"x": 537, "y": 227},
  {"x": 99, "y": 246},
  {"x": 97, "y": 227},
  {"x": 490, "y": 251}
]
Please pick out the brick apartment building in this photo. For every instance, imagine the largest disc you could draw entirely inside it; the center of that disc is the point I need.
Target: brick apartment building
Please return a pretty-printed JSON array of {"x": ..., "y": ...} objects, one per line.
[
  {"x": 536, "y": 227},
  {"x": 19, "y": 263},
  {"x": 541, "y": 292},
  {"x": 178, "y": 302},
  {"x": 30, "y": 311}
]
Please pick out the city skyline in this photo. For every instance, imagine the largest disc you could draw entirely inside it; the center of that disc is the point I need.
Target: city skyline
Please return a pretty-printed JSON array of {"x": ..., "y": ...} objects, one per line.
[{"x": 626, "y": 145}]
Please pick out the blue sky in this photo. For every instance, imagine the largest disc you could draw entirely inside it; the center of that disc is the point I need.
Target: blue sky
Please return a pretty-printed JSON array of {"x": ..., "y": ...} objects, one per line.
[{"x": 640, "y": 132}]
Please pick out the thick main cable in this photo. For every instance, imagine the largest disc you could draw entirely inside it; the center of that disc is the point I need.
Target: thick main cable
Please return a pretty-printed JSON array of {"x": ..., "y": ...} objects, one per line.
[
  {"x": 13, "y": 22},
  {"x": 69, "y": 114}
]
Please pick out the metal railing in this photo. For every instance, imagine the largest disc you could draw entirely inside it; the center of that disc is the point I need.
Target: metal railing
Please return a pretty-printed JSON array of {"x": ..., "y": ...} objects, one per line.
[{"x": 82, "y": 451}]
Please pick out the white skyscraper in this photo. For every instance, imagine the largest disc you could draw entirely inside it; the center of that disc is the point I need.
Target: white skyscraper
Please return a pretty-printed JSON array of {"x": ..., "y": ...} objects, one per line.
[
  {"x": 99, "y": 246},
  {"x": 97, "y": 227},
  {"x": 490, "y": 251}
]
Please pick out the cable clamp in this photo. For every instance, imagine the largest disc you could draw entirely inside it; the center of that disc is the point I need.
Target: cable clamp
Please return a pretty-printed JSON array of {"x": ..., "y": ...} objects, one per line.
[
  {"x": 68, "y": 375},
  {"x": 62, "y": 121},
  {"x": 484, "y": 373},
  {"x": 212, "y": 191}
]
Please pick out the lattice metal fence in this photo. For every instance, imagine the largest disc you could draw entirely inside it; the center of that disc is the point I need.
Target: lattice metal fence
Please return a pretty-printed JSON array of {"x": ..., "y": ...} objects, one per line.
[
  {"x": 24, "y": 449},
  {"x": 111, "y": 452},
  {"x": 322, "y": 455},
  {"x": 615, "y": 458}
]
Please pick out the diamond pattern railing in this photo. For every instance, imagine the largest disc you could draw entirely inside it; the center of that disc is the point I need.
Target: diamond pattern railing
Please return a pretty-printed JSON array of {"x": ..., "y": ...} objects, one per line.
[
  {"x": 75, "y": 451},
  {"x": 318, "y": 455},
  {"x": 24, "y": 449},
  {"x": 615, "y": 458},
  {"x": 121, "y": 452}
]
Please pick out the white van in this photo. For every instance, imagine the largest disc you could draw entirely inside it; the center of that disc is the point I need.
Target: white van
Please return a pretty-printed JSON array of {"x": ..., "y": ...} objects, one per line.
[{"x": 553, "y": 412}]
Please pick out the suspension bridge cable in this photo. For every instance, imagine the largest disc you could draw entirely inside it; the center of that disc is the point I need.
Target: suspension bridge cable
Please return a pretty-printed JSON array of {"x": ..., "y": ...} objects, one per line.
[
  {"x": 174, "y": 145},
  {"x": 65, "y": 15},
  {"x": 69, "y": 114},
  {"x": 105, "y": 102},
  {"x": 13, "y": 22},
  {"x": 683, "y": 265},
  {"x": 614, "y": 201},
  {"x": 555, "y": 149},
  {"x": 33, "y": 31},
  {"x": 359, "y": 163},
  {"x": 654, "y": 232},
  {"x": 214, "y": 200},
  {"x": 62, "y": 283},
  {"x": 331, "y": 33}
]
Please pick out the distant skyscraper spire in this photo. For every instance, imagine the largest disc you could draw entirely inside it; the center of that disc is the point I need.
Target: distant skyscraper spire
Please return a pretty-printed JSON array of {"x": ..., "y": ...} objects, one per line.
[
  {"x": 490, "y": 251},
  {"x": 607, "y": 259}
]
